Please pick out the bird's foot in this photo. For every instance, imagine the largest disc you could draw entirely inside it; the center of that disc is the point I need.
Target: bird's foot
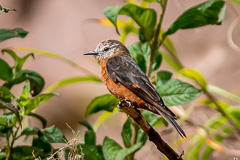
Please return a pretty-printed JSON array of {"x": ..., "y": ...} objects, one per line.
[{"x": 124, "y": 103}]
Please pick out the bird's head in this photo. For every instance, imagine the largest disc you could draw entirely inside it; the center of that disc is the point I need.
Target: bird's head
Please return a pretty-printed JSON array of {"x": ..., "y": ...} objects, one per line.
[{"x": 106, "y": 49}]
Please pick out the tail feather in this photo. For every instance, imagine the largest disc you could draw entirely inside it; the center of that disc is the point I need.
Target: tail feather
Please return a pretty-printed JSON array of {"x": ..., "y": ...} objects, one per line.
[{"x": 172, "y": 122}]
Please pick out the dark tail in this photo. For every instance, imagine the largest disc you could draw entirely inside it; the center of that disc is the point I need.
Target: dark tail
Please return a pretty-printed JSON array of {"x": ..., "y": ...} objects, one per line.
[{"x": 172, "y": 121}]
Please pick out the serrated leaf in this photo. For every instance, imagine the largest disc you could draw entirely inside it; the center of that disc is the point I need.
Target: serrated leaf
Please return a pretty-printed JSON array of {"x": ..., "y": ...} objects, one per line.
[
  {"x": 52, "y": 135},
  {"x": 30, "y": 131},
  {"x": 113, "y": 151},
  {"x": 11, "y": 107},
  {"x": 196, "y": 76},
  {"x": 105, "y": 102},
  {"x": 11, "y": 33},
  {"x": 175, "y": 92},
  {"x": 127, "y": 133},
  {"x": 71, "y": 81},
  {"x": 33, "y": 103},
  {"x": 41, "y": 118},
  {"x": 6, "y": 72},
  {"x": 208, "y": 13},
  {"x": 146, "y": 18}
]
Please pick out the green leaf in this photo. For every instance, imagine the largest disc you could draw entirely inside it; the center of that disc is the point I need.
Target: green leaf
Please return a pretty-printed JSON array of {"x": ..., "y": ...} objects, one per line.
[
  {"x": 26, "y": 153},
  {"x": 146, "y": 18},
  {"x": 6, "y": 10},
  {"x": 39, "y": 143},
  {"x": 105, "y": 102},
  {"x": 208, "y": 13},
  {"x": 157, "y": 61},
  {"x": 2, "y": 122},
  {"x": 89, "y": 152},
  {"x": 26, "y": 90},
  {"x": 90, "y": 136},
  {"x": 6, "y": 72},
  {"x": 11, "y": 33},
  {"x": 18, "y": 61},
  {"x": 33, "y": 103},
  {"x": 36, "y": 80},
  {"x": 22, "y": 61},
  {"x": 138, "y": 56},
  {"x": 52, "y": 135},
  {"x": 222, "y": 92},
  {"x": 162, "y": 77},
  {"x": 127, "y": 133},
  {"x": 5, "y": 94},
  {"x": 175, "y": 92},
  {"x": 41, "y": 118},
  {"x": 171, "y": 62},
  {"x": 196, "y": 76},
  {"x": 10, "y": 107},
  {"x": 71, "y": 81},
  {"x": 10, "y": 120},
  {"x": 113, "y": 151},
  {"x": 30, "y": 131}
]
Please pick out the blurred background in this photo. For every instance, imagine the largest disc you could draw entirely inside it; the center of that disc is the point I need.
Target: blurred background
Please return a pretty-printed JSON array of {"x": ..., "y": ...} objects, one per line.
[{"x": 67, "y": 27}]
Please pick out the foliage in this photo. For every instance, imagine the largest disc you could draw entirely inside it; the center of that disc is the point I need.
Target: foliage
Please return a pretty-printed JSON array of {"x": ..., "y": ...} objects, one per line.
[
  {"x": 16, "y": 110},
  {"x": 149, "y": 56},
  {"x": 153, "y": 48}
]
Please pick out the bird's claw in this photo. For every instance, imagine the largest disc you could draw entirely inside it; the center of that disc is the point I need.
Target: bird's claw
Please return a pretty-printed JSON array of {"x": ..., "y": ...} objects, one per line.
[{"x": 124, "y": 102}]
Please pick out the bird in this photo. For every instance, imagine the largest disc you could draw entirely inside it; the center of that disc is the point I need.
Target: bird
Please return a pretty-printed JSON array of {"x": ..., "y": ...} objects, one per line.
[{"x": 127, "y": 82}]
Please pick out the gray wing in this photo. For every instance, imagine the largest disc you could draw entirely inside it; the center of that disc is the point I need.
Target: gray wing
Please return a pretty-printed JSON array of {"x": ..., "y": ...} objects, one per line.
[{"x": 124, "y": 69}]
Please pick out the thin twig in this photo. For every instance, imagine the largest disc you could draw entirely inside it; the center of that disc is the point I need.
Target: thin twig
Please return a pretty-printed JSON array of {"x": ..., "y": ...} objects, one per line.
[
  {"x": 153, "y": 135},
  {"x": 155, "y": 45}
]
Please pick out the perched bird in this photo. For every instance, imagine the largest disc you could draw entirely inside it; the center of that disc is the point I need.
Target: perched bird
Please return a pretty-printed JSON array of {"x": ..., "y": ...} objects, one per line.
[{"x": 127, "y": 82}]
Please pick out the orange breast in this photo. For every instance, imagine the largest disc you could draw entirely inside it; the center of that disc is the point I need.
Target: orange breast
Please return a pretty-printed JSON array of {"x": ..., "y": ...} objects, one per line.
[{"x": 117, "y": 89}]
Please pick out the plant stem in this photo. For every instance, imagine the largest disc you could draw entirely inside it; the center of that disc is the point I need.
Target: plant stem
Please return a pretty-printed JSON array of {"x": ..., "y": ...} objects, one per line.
[
  {"x": 155, "y": 46},
  {"x": 12, "y": 143},
  {"x": 136, "y": 128}
]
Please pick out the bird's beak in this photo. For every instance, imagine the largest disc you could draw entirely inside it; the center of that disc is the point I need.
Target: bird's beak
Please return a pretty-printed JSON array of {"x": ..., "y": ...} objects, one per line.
[{"x": 91, "y": 53}]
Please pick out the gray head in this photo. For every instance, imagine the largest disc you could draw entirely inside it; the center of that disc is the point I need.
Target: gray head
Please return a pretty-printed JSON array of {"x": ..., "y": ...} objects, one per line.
[{"x": 107, "y": 48}]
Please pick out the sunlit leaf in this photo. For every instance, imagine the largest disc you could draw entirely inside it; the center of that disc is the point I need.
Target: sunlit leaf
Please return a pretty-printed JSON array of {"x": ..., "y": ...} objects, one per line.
[
  {"x": 103, "y": 117},
  {"x": 71, "y": 81},
  {"x": 171, "y": 62},
  {"x": 210, "y": 12},
  {"x": 33, "y": 103},
  {"x": 222, "y": 92},
  {"x": 196, "y": 76},
  {"x": 105, "y": 102},
  {"x": 175, "y": 92},
  {"x": 11, "y": 33},
  {"x": 12, "y": 108}
]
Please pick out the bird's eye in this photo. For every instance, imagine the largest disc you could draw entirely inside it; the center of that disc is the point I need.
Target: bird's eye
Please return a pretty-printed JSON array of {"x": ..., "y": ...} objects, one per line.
[{"x": 106, "y": 49}]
